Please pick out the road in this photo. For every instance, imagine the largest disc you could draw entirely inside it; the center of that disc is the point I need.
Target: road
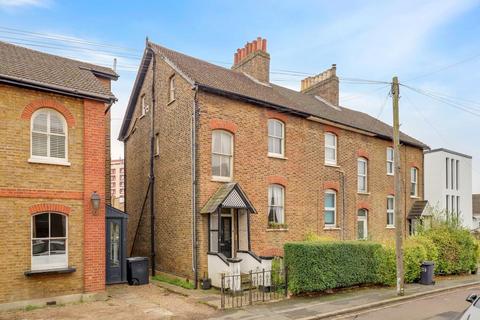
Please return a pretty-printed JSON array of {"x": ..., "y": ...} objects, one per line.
[{"x": 448, "y": 305}]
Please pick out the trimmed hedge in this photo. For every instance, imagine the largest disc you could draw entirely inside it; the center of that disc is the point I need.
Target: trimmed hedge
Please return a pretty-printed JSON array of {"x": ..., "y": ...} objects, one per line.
[{"x": 318, "y": 266}]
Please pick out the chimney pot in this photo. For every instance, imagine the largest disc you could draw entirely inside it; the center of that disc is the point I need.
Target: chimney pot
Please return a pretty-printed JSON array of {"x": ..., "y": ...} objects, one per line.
[
  {"x": 324, "y": 84},
  {"x": 254, "y": 63}
]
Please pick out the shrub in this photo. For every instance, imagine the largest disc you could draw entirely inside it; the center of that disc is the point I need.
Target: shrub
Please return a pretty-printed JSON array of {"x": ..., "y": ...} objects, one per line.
[
  {"x": 457, "y": 249},
  {"x": 386, "y": 265},
  {"x": 317, "y": 266},
  {"x": 413, "y": 255},
  {"x": 313, "y": 237}
]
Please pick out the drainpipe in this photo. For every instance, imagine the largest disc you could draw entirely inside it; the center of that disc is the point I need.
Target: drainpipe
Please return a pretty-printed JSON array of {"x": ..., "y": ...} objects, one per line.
[
  {"x": 152, "y": 157},
  {"x": 194, "y": 187},
  {"x": 342, "y": 177}
]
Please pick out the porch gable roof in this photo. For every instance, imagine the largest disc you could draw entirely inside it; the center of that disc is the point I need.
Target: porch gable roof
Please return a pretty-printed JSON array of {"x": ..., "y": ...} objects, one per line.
[
  {"x": 418, "y": 209},
  {"x": 229, "y": 195}
]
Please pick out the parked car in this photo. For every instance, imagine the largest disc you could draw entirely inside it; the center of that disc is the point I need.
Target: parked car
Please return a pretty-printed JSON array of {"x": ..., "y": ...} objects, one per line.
[{"x": 473, "y": 311}]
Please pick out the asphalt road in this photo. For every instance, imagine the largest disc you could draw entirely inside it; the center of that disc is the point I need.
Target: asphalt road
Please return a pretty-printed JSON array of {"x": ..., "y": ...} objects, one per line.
[{"x": 448, "y": 305}]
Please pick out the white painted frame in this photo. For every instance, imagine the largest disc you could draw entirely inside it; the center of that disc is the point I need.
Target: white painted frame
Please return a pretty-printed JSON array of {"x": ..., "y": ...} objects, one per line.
[
  {"x": 334, "y": 208},
  {"x": 281, "y": 138},
  {"x": 390, "y": 161},
  {"x": 364, "y": 220},
  {"x": 413, "y": 182},
  {"x": 37, "y": 265},
  {"x": 391, "y": 211},
  {"x": 231, "y": 155},
  {"x": 363, "y": 176},
  {"x": 281, "y": 205},
  {"x": 331, "y": 147},
  {"x": 48, "y": 159}
]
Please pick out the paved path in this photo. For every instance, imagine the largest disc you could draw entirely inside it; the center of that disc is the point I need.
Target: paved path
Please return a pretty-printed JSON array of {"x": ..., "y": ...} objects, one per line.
[
  {"x": 448, "y": 305},
  {"x": 308, "y": 308}
]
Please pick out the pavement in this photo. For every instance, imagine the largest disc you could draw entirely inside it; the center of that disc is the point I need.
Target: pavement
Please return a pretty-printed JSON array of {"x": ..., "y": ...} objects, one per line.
[{"x": 355, "y": 300}]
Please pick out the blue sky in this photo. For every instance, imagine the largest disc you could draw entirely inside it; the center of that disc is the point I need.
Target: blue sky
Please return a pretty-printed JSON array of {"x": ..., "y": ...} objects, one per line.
[{"x": 415, "y": 40}]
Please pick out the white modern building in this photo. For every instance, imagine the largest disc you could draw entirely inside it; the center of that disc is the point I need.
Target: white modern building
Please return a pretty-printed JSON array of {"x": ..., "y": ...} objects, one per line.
[{"x": 448, "y": 183}]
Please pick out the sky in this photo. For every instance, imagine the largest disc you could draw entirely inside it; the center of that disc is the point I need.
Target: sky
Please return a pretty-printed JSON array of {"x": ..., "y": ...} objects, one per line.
[{"x": 433, "y": 46}]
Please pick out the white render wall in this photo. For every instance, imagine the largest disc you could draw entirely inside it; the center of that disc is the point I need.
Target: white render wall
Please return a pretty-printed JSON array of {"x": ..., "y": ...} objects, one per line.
[{"x": 435, "y": 177}]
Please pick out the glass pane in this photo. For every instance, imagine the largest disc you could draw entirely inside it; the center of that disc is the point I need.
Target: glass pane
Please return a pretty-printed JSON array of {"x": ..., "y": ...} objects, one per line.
[
  {"x": 57, "y": 247},
  {"x": 330, "y": 140},
  {"x": 278, "y": 129},
  {"x": 330, "y": 154},
  {"x": 114, "y": 244},
  {"x": 40, "y": 247},
  {"x": 216, "y": 141},
  {"x": 390, "y": 203},
  {"x": 57, "y": 146},
  {"x": 40, "y": 226},
  {"x": 225, "y": 169},
  {"x": 329, "y": 200},
  {"x": 226, "y": 147},
  {"x": 40, "y": 122},
  {"x": 361, "y": 230},
  {"x": 276, "y": 145},
  {"x": 271, "y": 127},
  {"x": 216, "y": 159},
  {"x": 362, "y": 213},
  {"x": 272, "y": 214},
  {"x": 279, "y": 214},
  {"x": 361, "y": 184},
  {"x": 361, "y": 167},
  {"x": 39, "y": 144},
  {"x": 329, "y": 217},
  {"x": 390, "y": 167},
  {"x": 58, "y": 225},
  {"x": 270, "y": 145},
  {"x": 56, "y": 124}
]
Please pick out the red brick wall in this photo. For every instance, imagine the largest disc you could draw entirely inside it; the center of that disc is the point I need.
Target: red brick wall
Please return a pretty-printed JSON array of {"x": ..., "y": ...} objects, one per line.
[{"x": 94, "y": 180}]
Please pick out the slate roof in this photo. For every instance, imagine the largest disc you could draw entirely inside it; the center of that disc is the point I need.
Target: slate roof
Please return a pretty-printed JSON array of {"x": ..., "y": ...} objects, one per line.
[
  {"x": 223, "y": 194},
  {"x": 476, "y": 204},
  {"x": 209, "y": 76},
  {"x": 19, "y": 65},
  {"x": 417, "y": 209}
]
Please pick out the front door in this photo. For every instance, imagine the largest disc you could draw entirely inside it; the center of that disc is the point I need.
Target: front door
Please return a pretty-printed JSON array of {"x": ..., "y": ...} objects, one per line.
[
  {"x": 226, "y": 237},
  {"x": 114, "y": 250},
  {"x": 362, "y": 230}
]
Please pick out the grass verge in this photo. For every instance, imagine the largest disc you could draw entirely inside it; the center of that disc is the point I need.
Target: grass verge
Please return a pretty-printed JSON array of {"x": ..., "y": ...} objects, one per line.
[{"x": 175, "y": 281}]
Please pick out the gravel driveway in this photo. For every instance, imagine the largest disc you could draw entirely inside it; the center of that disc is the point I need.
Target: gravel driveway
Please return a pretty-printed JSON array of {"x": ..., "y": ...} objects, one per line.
[{"x": 124, "y": 302}]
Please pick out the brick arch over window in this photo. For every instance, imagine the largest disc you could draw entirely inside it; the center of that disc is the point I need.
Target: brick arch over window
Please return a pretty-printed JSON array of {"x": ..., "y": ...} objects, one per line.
[
  {"x": 362, "y": 153},
  {"x": 334, "y": 185},
  {"x": 363, "y": 205},
  {"x": 276, "y": 115},
  {"x": 277, "y": 180},
  {"x": 220, "y": 124},
  {"x": 331, "y": 129},
  {"x": 48, "y": 103},
  {"x": 49, "y": 207}
]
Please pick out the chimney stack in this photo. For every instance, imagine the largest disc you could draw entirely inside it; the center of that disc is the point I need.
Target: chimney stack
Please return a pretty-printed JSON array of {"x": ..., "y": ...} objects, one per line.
[
  {"x": 324, "y": 85},
  {"x": 254, "y": 60}
]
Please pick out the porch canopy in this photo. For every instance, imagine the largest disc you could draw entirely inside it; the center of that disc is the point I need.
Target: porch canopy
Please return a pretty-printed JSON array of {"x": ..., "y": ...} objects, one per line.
[
  {"x": 229, "y": 195},
  {"x": 418, "y": 210}
]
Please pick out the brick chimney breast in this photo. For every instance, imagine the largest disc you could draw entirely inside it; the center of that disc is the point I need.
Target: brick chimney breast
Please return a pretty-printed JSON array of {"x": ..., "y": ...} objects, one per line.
[
  {"x": 325, "y": 85},
  {"x": 254, "y": 60}
]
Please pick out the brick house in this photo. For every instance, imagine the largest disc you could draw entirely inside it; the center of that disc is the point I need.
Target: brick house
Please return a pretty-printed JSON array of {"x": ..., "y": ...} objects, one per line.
[
  {"x": 242, "y": 165},
  {"x": 54, "y": 154}
]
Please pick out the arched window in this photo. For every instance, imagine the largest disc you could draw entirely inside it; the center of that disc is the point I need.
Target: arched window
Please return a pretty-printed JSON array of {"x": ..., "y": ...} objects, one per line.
[
  {"x": 362, "y": 173},
  {"x": 49, "y": 241},
  {"x": 48, "y": 136},
  {"x": 222, "y": 155},
  {"x": 330, "y": 211},
  {"x": 330, "y": 148},
  {"x": 276, "y": 138},
  {"x": 362, "y": 225},
  {"x": 276, "y": 196}
]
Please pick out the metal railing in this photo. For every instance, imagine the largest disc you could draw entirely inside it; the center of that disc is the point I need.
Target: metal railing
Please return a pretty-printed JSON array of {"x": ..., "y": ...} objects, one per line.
[{"x": 255, "y": 286}]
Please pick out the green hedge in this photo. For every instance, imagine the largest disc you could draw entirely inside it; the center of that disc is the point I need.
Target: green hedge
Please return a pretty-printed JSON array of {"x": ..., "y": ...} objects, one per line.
[{"x": 317, "y": 266}]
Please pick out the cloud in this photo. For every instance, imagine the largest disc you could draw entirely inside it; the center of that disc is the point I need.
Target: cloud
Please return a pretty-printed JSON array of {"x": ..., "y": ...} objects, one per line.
[{"x": 10, "y": 4}]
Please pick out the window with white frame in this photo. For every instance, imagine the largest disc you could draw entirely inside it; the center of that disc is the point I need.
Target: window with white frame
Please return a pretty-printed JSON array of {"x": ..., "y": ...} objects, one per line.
[
  {"x": 172, "y": 89},
  {"x": 390, "y": 211},
  {"x": 49, "y": 241},
  {"x": 362, "y": 172},
  {"x": 276, "y": 138},
  {"x": 330, "y": 211},
  {"x": 413, "y": 182},
  {"x": 330, "y": 148},
  {"x": 49, "y": 136},
  {"x": 222, "y": 154},
  {"x": 145, "y": 106},
  {"x": 276, "y": 196},
  {"x": 390, "y": 161}
]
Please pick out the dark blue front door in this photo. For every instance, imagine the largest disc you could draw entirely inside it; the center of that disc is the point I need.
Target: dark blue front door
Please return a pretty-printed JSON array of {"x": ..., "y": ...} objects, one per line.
[{"x": 115, "y": 246}]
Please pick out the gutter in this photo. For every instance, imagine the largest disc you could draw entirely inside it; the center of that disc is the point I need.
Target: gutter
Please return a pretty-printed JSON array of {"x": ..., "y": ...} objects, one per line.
[{"x": 55, "y": 89}]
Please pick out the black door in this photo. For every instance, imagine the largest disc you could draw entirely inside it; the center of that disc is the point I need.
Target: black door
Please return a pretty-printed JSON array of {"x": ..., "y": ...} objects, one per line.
[
  {"x": 226, "y": 237},
  {"x": 114, "y": 250}
]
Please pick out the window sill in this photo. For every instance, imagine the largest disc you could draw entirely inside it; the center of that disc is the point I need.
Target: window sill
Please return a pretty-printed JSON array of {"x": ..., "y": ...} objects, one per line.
[
  {"x": 390, "y": 227},
  {"x": 48, "y": 161},
  {"x": 363, "y": 193},
  {"x": 277, "y": 229},
  {"x": 414, "y": 197},
  {"x": 276, "y": 156},
  {"x": 171, "y": 101},
  {"x": 222, "y": 179},
  {"x": 332, "y": 165},
  {"x": 390, "y": 174},
  {"x": 30, "y": 273},
  {"x": 331, "y": 228}
]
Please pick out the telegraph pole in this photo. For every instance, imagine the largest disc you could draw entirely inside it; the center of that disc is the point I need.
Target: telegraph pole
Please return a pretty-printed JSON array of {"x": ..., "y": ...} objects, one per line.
[{"x": 399, "y": 217}]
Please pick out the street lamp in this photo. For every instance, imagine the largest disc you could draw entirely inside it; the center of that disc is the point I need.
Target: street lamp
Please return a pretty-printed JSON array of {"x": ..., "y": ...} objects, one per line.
[{"x": 95, "y": 199}]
